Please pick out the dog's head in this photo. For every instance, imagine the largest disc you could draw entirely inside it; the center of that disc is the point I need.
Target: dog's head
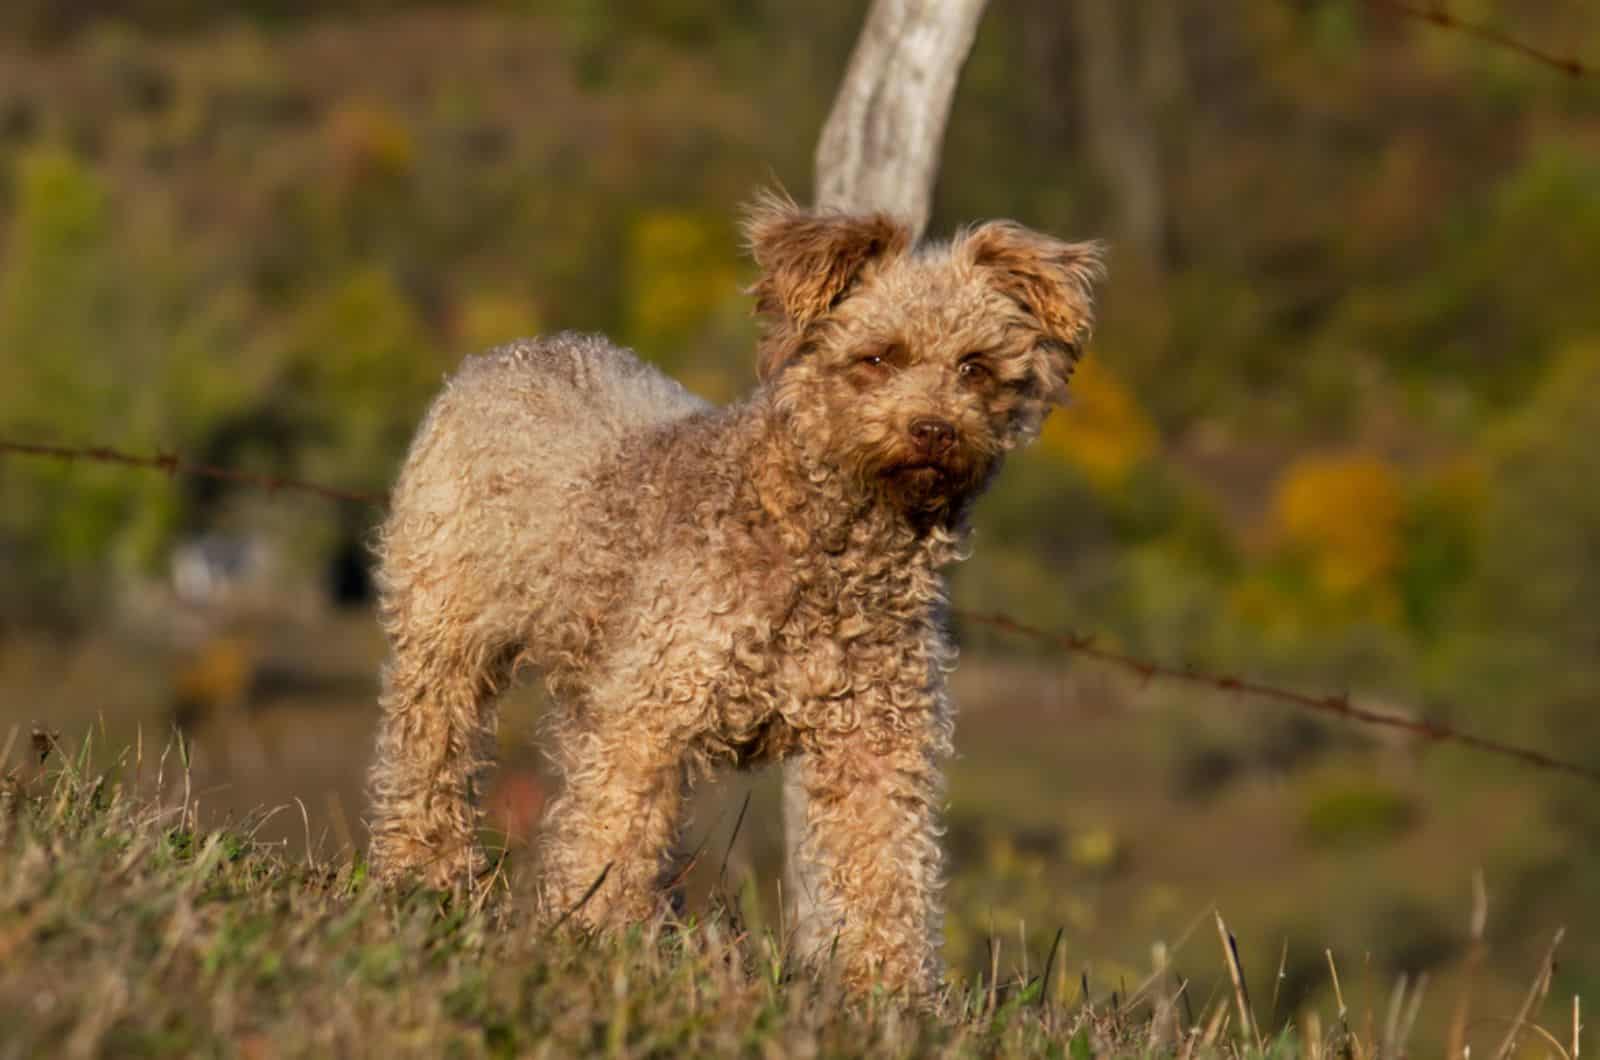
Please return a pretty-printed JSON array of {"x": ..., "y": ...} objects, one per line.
[{"x": 916, "y": 369}]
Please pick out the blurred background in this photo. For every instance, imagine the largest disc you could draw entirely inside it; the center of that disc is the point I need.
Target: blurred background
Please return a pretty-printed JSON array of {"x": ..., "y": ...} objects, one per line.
[{"x": 1337, "y": 429}]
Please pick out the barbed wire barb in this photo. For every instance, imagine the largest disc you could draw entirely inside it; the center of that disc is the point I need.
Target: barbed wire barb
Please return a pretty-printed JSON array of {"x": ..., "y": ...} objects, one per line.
[
  {"x": 1438, "y": 15},
  {"x": 1076, "y": 643}
]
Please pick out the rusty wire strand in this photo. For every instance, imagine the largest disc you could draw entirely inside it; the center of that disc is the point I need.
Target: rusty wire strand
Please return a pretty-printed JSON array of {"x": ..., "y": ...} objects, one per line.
[
  {"x": 174, "y": 465},
  {"x": 1337, "y": 704},
  {"x": 1074, "y": 643}
]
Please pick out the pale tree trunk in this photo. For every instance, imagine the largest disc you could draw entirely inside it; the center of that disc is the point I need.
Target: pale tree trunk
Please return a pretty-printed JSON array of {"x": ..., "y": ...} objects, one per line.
[
  {"x": 880, "y": 151},
  {"x": 880, "y": 147}
]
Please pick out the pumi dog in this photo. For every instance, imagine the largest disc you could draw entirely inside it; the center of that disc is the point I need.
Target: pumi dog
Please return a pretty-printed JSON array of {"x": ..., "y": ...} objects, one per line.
[{"x": 705, "y": 586}]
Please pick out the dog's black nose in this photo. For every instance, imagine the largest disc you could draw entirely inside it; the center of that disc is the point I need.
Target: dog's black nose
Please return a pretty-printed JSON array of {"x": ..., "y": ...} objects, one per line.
[{"x": 932, "y": 436}]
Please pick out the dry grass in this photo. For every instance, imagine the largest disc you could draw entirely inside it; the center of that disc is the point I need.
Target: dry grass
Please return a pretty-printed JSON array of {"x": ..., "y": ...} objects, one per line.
[{"x": 125, "y": 930}]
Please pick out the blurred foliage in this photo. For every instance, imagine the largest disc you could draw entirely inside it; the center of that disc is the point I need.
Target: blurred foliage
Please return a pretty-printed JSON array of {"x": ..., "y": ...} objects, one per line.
[
  {"x": 1348, "y": 811},
  {"x": 1531, "y": 635},
  {"x": 358, "y": 371},
  {"x": 1439, "y": 545},
  {"x": 89, "y": 343},
  {"x": 262, "y": 233},
  {"x": 681, "y": 274}
]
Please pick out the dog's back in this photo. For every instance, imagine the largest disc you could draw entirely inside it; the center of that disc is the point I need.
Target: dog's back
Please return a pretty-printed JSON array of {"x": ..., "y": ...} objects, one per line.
[
  {"x": 574, "y": 394},
  {"x": 532, "y": 411},
  {"x": 486, "y": 487}
]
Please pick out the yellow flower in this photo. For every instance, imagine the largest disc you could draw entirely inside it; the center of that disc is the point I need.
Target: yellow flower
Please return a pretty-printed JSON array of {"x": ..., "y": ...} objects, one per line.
[
  {"x": 1345, "y": 513},
  {"x": 1102, "y": 430}
]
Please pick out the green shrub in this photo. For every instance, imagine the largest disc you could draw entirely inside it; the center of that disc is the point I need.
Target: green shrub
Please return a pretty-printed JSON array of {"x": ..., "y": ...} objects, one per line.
[{"x": 1352, "y": 812}]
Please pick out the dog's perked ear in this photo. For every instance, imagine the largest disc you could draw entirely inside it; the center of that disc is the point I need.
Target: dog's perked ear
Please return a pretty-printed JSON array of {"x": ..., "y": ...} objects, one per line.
[
  {"x": 809, "y": 261},
  {"x": 1051, "y": 280}
]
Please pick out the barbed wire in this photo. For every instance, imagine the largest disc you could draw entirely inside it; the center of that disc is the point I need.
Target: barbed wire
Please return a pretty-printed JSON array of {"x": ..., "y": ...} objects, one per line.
[
  {"x": 173, "y": 465},
  {"x": 1438, "y": 15},
  {"x": 1340, "y": 704},
  {"x": 1077, "y": 644}
]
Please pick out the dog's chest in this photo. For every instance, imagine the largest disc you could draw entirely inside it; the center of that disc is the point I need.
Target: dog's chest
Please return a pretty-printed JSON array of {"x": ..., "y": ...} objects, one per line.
[{"x": 819, "y": 646}]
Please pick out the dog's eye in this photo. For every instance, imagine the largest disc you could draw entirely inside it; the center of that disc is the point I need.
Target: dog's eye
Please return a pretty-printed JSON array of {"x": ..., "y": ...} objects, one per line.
[
  {"x": 882, "y": 358},
  {"x": 973, "y": 370}
]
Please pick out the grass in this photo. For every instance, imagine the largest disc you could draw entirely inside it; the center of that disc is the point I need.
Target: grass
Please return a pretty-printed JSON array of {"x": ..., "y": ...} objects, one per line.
[{"x": 126, "y": 930}]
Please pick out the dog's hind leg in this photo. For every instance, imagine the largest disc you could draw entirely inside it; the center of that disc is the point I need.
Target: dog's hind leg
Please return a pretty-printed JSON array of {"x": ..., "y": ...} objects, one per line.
[{"x": 434, "y": 738}]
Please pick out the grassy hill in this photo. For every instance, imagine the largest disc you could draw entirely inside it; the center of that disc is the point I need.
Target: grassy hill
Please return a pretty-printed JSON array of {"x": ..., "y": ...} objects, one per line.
[{"x": 126, "y": 930}]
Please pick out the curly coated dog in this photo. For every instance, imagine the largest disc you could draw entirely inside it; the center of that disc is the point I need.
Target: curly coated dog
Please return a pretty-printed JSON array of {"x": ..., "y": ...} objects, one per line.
[{"x": 703, "y": 586}]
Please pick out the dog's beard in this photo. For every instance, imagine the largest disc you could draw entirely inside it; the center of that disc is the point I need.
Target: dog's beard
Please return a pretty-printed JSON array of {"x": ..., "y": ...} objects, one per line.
[{"x": 922, "y": 487}]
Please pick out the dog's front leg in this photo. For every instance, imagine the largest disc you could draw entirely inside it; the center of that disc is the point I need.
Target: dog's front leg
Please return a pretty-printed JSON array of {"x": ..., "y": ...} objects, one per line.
[
  {"x": 872, "y": 847},
  {"x": 607, "y": 836}
]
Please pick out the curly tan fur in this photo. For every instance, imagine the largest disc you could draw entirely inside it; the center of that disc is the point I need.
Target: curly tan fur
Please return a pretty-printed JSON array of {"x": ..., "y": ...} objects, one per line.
[{"x": 722, "y": 586}]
